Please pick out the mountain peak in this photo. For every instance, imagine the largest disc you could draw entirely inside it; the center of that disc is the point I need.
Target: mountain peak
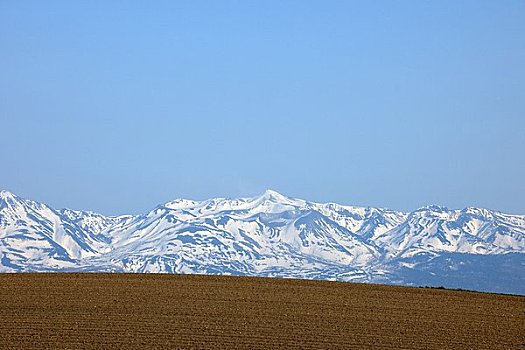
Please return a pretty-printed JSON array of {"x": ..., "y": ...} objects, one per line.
[
  {"x": 10, "y": 200},
  {"x": 273, "y": 194},
  {"x": 7, "y": 196},
  {"x": 180, "y": 203},
  {"x": 433, "y": 207}
]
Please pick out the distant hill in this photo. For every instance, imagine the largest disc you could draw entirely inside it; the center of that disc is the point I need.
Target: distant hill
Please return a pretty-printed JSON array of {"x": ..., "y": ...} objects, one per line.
[{"x": 272, "y": 235}]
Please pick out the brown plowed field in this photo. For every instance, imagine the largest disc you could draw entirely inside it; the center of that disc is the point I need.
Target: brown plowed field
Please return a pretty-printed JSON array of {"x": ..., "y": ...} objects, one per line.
[{"x": 123, "y": 311}]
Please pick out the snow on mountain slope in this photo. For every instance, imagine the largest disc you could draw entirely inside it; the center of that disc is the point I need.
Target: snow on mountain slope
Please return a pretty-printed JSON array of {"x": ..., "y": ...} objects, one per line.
[
  {"x": 471, "y": 230},
  {"x": 34, "y": 234},
  {"x": 268, "y": 235}
]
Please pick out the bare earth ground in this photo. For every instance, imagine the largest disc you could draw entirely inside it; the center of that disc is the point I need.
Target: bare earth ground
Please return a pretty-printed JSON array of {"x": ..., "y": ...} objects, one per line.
[{"x": 184, "y": 311}]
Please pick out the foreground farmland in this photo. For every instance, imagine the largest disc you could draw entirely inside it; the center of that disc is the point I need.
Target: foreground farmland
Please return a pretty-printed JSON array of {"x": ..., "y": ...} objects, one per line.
[{"x": 187, "y": 311}]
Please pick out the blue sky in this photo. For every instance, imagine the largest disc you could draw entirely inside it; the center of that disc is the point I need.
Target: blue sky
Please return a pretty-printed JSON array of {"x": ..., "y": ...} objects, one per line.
[{"x": 116, "y": 106}]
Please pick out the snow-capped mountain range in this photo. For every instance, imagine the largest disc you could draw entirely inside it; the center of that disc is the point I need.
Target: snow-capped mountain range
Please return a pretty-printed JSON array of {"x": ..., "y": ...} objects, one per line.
[{"x": 272, "y": 235}]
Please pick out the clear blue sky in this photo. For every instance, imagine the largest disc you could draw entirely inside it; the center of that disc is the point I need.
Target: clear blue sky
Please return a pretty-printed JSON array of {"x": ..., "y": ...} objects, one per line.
[{"x": 116, "y": 106}]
